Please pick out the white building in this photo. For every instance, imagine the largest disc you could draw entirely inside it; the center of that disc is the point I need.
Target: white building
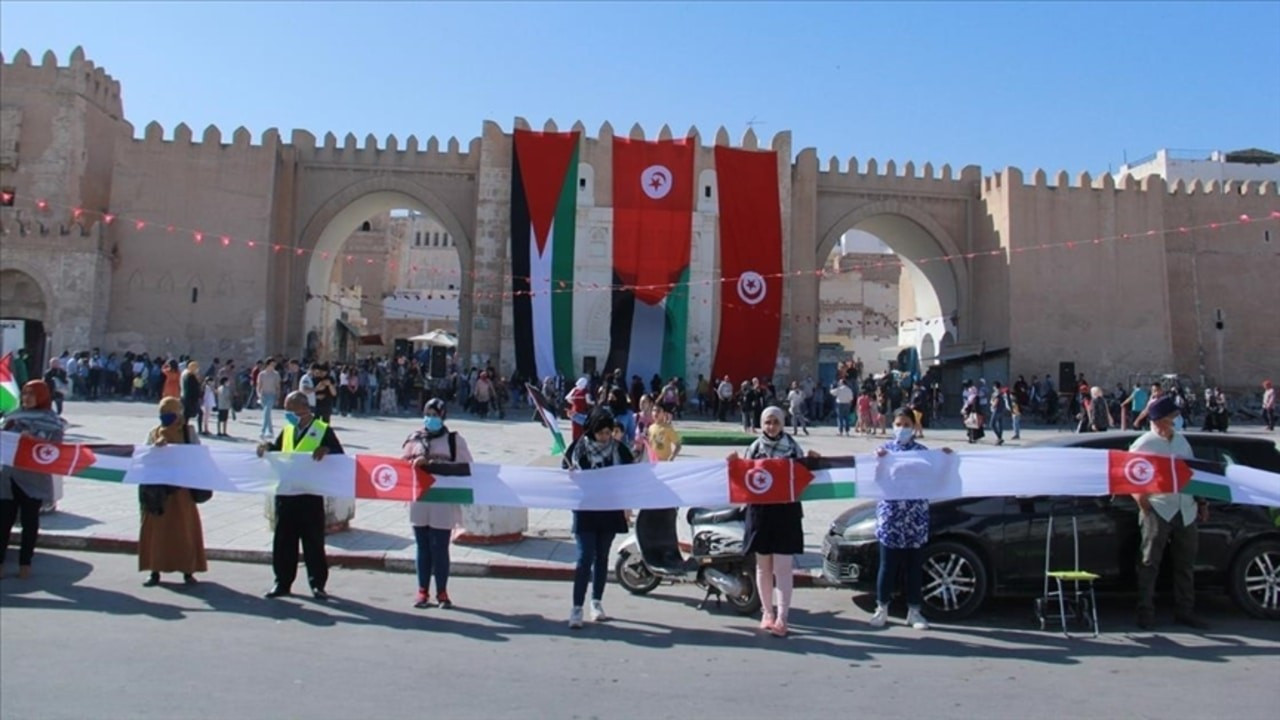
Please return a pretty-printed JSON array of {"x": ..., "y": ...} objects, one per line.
[{"x": 1191, "y": 165}]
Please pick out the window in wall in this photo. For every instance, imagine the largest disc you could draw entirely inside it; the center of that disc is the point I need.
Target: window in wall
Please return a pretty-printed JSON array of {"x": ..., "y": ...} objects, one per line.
[
  {"x": 706, "y": 192},
  {"x": 195, "y": 294},
  {"x": 365, "y": 226},
  {"x": 417, "y": 238},
  {"x": 582, "y": 183}
]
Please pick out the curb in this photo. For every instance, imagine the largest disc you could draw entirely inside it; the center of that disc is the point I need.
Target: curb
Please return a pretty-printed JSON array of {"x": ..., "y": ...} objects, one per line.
[{"x": 355, "y": 561}]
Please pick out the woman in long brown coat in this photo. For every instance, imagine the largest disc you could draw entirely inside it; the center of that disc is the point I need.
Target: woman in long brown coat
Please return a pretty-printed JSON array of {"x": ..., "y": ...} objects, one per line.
[{"x": 172, "y": 539}]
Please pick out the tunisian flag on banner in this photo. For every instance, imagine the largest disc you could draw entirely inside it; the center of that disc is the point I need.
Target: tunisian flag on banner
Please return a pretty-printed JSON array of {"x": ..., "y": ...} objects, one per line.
[
  {"x": 1136, "y": 473},
  {"x": 769, "y": 481},
  {"x": 381, "y": 478},
  {"x": 53, "y": 458},
  {"x": 653, "y": 192},
  {"x": 750, "y": 264}
]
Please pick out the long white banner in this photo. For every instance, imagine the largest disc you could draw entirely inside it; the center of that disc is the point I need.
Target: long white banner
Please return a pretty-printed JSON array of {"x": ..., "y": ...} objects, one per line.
[{"x": 932, "y": 475}]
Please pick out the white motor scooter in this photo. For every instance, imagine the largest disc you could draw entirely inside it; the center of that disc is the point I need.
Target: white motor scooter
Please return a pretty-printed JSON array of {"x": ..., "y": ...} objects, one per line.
[{"x": 651, "y": 554}]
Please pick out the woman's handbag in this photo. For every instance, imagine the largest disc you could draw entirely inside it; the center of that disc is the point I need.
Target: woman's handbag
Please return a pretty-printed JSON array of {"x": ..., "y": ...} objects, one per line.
[{"x": 973, "y": 421}]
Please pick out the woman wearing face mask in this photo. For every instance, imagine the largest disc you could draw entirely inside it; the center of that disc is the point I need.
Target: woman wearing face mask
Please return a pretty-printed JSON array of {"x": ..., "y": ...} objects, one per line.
[
  {"x": 775, "y": 533},
  {"x": 433, "y": 523},
  {"x": 22, "y": 491},
  {"x": 902, "y": 527},
  {"x": 594, "y": 530},
  {"x": 171, "y": 538}
]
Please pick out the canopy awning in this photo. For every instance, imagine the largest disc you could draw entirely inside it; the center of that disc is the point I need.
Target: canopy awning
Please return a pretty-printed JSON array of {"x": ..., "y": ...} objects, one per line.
[
  {"x": 371, "y": 340},
  {"x": 892, "y": 353},
  {"x": 968, "y": 351},
  {"x": 437, "y": 338}
]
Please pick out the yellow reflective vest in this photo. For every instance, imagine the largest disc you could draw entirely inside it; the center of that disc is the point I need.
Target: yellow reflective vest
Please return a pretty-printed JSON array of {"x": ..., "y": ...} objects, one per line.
[{"x": 310, "y": 439}]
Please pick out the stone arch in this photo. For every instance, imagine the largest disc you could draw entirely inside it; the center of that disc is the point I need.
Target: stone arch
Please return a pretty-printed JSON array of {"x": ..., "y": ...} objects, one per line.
[
  {"x": 928, "y": 348},
  {"x": 24, "y": 294},
  {"x": 915, "y": 236},
  {"x": 338, "y": 216}
]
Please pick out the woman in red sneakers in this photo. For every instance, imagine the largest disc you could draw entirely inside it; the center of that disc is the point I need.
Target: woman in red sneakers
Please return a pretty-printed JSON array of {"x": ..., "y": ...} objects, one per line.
[{"x": 433, "y": 523}]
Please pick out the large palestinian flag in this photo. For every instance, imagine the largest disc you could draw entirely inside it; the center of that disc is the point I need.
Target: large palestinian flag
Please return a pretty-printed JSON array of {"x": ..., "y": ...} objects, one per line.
[
  {"x": 544, "y": 180},
  {"x": 653, "y": 191},
  {"x": 750, "y": 264}
]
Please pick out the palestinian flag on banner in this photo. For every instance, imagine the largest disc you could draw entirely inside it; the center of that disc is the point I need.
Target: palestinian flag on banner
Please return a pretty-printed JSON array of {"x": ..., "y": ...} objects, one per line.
[
  {"x": 548, "y": 418},
  {"x": 778, "y": 480},
  {"x": 653, "y": 192},
  {"x": 9, "y": 397},
  {"x": 92, "y": 462},
  {"x": 1137, "y": 473},
  {"x": 544, "y": 186},
  {"x": 382, "y": 478}
]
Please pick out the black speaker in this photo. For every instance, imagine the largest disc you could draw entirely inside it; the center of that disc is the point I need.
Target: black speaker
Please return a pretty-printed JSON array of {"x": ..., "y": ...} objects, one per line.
[
  {"x": 1066, "y": 376},
  {"x": 589, "y": 365},
  {"x": 439, "y": 362},
  {"x": 404, "y": 348}
]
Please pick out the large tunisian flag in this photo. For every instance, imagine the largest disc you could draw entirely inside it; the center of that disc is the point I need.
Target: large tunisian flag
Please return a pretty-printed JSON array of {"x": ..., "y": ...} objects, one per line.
[
  {"x": 653, "y": 193},
  {"x": 750, "y": 264}
]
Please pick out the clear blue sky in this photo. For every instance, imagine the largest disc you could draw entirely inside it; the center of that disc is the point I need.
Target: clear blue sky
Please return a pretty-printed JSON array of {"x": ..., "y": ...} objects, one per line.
[{"x": 1059, "y": 86}]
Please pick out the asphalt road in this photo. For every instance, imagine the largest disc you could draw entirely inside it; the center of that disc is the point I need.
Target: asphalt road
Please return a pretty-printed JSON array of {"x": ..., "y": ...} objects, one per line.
[{"x": 85, "y": 640}]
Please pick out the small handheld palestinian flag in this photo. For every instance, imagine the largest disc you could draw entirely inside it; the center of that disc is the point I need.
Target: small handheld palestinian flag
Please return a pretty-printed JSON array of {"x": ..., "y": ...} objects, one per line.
[
  {"x": 548, "y": 418},
  {"x": 9, "y": 399}
]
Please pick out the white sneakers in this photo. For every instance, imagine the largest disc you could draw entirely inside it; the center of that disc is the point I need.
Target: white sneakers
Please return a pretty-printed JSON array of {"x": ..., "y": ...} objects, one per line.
[
  {"x": 880, "y": 617},
  {"x": 597, "y": 615},
  {"x": 914, "y": 618},
  {"x": 597, "y": 612}
]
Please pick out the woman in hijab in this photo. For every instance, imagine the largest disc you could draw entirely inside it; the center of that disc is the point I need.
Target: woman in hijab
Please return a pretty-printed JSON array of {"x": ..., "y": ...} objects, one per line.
[
  {"x": 774, "y": 532},
  {"x": 594, "y": 530},
  {"x": 172, "y": 538},
  {"x": 22, "y": 491},
  {"x": 433, "y": 523}
]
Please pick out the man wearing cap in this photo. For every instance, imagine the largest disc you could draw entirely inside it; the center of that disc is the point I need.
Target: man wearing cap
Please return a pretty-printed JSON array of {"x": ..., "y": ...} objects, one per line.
[
  {"x": 300, "y": 517},
  {"x": 1167, "y": 519}
]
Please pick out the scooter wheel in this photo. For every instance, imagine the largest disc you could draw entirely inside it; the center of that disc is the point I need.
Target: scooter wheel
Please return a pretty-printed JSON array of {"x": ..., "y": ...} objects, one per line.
[
  {"x": 635, "y": 576},
  {"x": 748, "y": 604}
]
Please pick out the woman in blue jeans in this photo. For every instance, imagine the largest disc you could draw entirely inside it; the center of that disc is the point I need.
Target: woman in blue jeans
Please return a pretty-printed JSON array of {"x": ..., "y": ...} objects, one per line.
[
  {"x": 594, "y": 530},
  {"x": 433, "y": 523},
  {"x": 902, "y": 527}
]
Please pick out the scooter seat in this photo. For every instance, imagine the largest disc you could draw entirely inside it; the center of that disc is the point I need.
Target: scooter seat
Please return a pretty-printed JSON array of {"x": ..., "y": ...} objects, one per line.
[{"x": 715, "y": 516}]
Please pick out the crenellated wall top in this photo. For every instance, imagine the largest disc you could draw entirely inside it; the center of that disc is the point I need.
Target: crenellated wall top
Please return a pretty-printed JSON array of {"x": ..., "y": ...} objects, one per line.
[
  {"x": 79, "y": 75},
  {"x": 1083, "y": 181}
]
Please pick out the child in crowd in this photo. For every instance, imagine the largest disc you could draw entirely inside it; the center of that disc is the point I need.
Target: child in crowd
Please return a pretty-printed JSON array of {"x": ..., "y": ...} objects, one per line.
[
  {"x": 663, "y": 440},
  {"x": 208, "y": 402},
  {"x": 222, "y": 402}
]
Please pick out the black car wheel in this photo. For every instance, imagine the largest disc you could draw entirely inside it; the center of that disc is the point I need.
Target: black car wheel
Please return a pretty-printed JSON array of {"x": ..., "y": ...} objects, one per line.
[
  {"x": 955, "y": 581},
  {"x": 1255, "y": 579}
]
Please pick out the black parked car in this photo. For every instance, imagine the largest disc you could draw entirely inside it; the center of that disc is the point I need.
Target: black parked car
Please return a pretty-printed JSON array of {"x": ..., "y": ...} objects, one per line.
[{"x": 995, "y": 546}]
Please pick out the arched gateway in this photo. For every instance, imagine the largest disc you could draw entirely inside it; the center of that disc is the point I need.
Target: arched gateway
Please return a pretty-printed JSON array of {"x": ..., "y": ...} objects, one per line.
[{"x": 211, "y": 246}]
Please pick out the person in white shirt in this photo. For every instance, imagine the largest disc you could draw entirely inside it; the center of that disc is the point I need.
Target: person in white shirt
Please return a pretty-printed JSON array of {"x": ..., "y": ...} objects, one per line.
[
  {"x": 795, "y": 401},
  {"x": 1167, "y": 519},
  {"x": 724, "y": 399},
  {"x": 844, "y": 403},
  {"x": 1269, "y": 404}
]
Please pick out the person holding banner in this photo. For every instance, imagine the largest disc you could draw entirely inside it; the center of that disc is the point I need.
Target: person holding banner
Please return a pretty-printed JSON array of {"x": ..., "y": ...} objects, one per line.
[
  {"x": 23, "y": 491},
  {"x": 775, "y": 533},
  {"x": 433, "y": 523},
  {"x": 902, "y": 528},
  {"x": 171, "y": 538},
  {"x": 300, "y": 517},
  {"x": 594, "y": 530},
  {"x": 1168, "y": 519}
]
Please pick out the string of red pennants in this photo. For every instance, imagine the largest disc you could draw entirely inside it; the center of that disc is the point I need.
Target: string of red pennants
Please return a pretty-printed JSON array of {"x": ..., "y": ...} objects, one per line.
[{"x": 199, "y": 237}]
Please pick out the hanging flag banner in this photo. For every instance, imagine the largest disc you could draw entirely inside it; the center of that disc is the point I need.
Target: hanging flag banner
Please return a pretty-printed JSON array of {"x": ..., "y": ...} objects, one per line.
[
  {"x": 653, "y": 191},
  {"x": 897, "y": 476},
  {"x": 544, "y": 186},
  {"x": 750, "y": 264}
]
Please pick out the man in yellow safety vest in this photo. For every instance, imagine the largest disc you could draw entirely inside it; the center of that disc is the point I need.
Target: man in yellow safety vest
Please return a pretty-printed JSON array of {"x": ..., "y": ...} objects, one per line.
[{"x": 300, "y": 517}]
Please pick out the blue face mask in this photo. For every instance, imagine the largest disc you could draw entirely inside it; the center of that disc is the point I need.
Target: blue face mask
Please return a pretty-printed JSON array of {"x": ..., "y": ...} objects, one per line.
[
  {"x": 167, "y": 419},
  {"x": 433, "y": 423},
  {"x": 291, "y": 417}
]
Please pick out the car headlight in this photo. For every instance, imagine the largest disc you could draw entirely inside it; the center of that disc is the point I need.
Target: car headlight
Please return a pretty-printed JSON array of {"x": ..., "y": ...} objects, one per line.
[{"x": 864, "y": 529}]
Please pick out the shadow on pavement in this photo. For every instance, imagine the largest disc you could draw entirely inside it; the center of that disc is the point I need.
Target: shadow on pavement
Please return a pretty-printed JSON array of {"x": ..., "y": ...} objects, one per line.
[
  {"x": 63, "y": 520},
  {"x": 358, "y": 539},
  {"x": 60, "y": 576}
]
